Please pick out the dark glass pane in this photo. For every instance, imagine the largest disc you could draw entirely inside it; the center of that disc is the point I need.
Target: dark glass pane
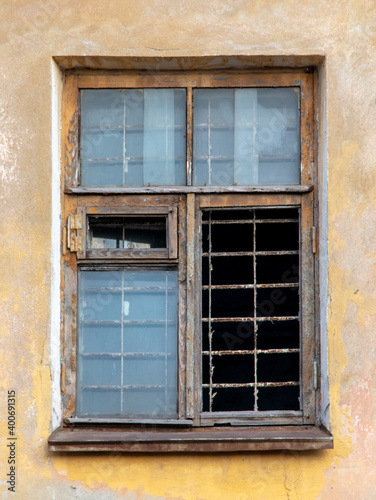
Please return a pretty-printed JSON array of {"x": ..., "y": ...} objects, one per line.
[
  {"x": 278, "y": 335},
  {"x": 127, "y": 232},
  {"x": 229, "y": 336},
  {"x": 234, "y": 399},
  {"x": 232, "y": 270},
  {"x": 278, "y": 367},
  {"x": 277, "y": 269},
  {"x": 277, "y": 302},
  {"x": 278, "y": 398},
  {"x": 233, "y": 369}
]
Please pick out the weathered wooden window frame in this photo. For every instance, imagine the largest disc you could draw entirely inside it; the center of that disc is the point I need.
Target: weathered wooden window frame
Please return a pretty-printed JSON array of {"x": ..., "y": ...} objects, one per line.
[
  {"x": 170, "y": 252},
  {"x": 183, "y": 204}
]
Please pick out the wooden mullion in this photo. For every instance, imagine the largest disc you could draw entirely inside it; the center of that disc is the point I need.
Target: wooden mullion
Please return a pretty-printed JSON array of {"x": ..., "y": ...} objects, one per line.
[
  {"x": 182, "y": 308},
  {"x": 307, "y": 135},
  {"x": 307, "y": 306},
  {"x": 191, "y": 405},
  {"x": 70, "y": 132}
]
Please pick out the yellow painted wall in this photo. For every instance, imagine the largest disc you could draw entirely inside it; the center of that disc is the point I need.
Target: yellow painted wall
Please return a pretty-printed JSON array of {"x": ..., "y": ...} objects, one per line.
[{"x": 344, "y": 33}]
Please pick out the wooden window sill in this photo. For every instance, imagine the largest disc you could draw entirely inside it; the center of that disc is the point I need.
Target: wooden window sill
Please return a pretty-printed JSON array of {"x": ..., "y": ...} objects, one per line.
[{"x": 190, "y": 440}]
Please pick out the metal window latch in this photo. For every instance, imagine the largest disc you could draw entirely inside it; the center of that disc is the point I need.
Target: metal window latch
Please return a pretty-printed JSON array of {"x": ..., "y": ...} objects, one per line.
[
  {"x": 314, "y": 240},
  {"x": 74, "y": 237},
  {"x": 315, "y": 376}
]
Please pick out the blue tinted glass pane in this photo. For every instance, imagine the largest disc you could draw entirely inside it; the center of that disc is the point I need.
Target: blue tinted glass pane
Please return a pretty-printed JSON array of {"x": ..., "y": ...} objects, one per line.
[
  {"x": 246, "y": 136},
  {"x": 133, "y": 137},
  {"x": 127, "y": 348}
]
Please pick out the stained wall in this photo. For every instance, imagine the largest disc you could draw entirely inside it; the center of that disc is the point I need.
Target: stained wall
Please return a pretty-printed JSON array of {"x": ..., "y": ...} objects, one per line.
[{"x": 341, "y": 37}]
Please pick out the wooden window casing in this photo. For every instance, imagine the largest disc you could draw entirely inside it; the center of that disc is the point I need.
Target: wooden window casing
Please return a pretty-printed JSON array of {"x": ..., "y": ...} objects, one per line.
[{"x": 183, "y": 205}]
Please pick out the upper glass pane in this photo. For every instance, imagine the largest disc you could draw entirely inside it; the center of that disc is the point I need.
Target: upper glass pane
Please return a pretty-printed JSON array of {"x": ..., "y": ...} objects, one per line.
[
  {"x": 246, "y": 136},
  {"x": 133, "y": 137}
]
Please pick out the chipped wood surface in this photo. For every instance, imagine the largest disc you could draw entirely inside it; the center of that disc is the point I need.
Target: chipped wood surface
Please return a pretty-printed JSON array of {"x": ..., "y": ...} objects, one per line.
[
  {"x": 183, "y": 204},
  {"x": 194, "y": 440}
]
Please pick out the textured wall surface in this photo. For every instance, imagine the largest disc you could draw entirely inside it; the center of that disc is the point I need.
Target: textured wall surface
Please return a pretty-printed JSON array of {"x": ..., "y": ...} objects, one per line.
[{"x": 344, "y": 34}]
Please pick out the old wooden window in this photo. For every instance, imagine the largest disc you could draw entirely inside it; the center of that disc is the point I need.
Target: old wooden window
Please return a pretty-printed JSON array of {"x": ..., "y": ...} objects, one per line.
[{"x": 189, "y": 223}]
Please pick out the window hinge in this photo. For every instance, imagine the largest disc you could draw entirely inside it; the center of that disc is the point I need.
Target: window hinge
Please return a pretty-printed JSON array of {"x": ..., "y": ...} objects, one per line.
[
  {"x": 315, "y": 375},
  {"x": 74, "y": 240},
  {"x": 314, "y": 240}
]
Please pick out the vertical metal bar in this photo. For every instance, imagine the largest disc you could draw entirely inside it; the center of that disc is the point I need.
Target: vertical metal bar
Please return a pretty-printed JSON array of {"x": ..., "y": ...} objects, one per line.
[
  {"x": 122, "y": 345},
  {"x": 211, "y": 367},
  {"x": 189, "y": 135},
  {"x": 255, "y": 324},
  {"x": 166, "y": 340}
]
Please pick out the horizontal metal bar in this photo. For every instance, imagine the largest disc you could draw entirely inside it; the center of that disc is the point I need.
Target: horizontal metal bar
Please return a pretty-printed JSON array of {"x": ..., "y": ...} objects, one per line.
[
  {"x": 247, "y": 351},
  {"x": 249, "y": 221},
  {"x": 251, "y": 414},
  {"x": 249, "y": 286},
  {"x": 251, "y": 254},
  {"x": 276, "y": 221},
  {"x": 230, "y": 221},
  {"x": 250, "y": 318},
  {"x": 252, "y": 384}
]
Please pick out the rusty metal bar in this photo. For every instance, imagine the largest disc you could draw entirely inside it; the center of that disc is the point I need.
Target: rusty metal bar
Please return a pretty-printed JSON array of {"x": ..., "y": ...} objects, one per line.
[
  {"x": 255, "y": 327},
  {"x": 251, "y": 286},
  {"x": 252, "y": 351},
  {"x": 250, "y": 221},
  {"x": 251, "y": 318},
  {"x": 210, "y": 331},
  {"x": 252, "y": 254},
  {"x": 253, "y": 384}
]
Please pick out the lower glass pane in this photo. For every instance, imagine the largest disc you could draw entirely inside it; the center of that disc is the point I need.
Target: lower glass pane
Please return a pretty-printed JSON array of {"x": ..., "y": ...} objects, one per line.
[{"x": 127, "y": 345}]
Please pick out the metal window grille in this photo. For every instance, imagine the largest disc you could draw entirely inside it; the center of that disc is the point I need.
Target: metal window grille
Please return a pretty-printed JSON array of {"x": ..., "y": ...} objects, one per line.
[{"x": 250, "y": 309}]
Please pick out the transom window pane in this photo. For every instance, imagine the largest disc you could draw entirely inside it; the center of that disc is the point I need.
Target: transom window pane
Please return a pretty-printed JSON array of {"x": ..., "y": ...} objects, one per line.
[
  {"x": 133, "y": 137},
  {"x": 127, "y": 232},
  {"x": 127, "y": 346},
  {"x": 246, "y": 136},
  {"x": 250, "y": 310}
]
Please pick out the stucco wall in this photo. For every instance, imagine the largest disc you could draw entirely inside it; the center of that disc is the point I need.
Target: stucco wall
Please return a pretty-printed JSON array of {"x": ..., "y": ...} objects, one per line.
[{"x": 344, "y": 34}]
